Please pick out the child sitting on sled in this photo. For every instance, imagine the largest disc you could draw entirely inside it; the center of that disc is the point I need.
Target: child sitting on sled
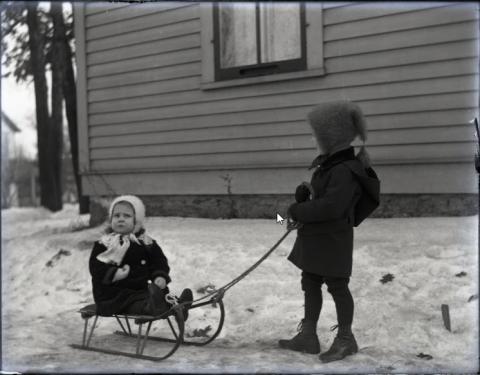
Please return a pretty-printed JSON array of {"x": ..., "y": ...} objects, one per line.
[
  {"x": 129, "y": 270},
  {"x": 344, "y": 190}
]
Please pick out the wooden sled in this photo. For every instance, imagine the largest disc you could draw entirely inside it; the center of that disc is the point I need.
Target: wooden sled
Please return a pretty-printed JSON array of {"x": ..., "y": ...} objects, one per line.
[{"x": 173, "y": 317}]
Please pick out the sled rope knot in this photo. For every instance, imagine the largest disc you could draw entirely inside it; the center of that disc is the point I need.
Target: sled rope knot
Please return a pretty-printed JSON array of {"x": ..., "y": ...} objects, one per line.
[
  {"x": 218, "y": 295},
  {"x": 171, "y": 299}
]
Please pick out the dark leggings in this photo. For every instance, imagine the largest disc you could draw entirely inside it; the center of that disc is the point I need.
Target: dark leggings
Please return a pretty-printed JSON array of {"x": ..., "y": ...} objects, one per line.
[
  {"x": 337, "y": 287},
  {"x": 141, "y": 307},
  {"x": 144, "y": 305}
]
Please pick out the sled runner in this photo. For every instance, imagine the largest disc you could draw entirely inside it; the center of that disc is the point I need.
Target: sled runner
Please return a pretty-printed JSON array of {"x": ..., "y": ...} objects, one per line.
[{"x": 173, "y": 317}]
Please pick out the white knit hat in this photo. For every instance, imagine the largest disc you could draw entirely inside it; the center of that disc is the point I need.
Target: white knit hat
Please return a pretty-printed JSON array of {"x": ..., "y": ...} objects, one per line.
[
  {"x": 337, "y": 123},
  {"x": 138, "y": 208}
]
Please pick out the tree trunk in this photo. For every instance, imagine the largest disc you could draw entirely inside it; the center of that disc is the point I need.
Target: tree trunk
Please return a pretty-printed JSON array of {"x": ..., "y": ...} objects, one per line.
[
  {"x": 48, "y": 185},
  {"x": 56, "y": 138},
  {"x": 70, "y": 95}
]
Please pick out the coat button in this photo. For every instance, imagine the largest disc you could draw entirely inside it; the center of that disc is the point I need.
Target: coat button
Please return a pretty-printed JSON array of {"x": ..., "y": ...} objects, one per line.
[{"x": 143, "y": 262}]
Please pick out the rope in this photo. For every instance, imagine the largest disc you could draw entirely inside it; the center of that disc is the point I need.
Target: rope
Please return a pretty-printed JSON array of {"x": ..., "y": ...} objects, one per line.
[{"x": 218, "y": 294}]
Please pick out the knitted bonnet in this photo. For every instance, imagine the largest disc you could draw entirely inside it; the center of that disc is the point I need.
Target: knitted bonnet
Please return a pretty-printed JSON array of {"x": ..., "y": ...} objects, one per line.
[
  {"x": 138, "y": 208},
  {"x": 337, "y": 123}
]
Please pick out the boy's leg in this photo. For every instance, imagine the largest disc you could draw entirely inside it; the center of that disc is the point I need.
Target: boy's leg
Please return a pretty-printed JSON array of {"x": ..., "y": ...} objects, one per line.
[
  {"x": 338, "y": 288},
  {"x": 344, "y": 344},
  {"x": 307, "y": 340},
  {"x": 312, "y": 288}
]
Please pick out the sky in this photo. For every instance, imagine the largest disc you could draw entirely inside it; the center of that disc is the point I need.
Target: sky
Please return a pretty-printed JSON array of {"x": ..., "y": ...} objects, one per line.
[{"x": 18, "y": 102}]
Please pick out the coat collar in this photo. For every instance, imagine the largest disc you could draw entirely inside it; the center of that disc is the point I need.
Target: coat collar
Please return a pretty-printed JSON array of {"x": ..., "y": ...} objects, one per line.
[{"x": 326, "y": 161}]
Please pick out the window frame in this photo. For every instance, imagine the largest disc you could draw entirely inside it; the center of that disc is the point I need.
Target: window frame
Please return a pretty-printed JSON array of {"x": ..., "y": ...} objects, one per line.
[
  {"x": 314, "y": 51},
  {"x": 259, "y": 69}
]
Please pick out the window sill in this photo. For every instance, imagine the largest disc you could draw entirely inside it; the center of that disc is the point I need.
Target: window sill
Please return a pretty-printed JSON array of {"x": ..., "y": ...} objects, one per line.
[{"x": 262, "y": 79}]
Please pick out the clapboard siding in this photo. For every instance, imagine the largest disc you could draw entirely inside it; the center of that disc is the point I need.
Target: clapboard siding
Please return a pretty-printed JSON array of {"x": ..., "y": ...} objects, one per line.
[
  {"x": 157, "y": 74},
  {"x": 404, "y": 56},
  {"x": 362, "y": 11},
  {"x": 413, "y": 69},
  {"x": 145, "y": 89},
  {"x": 176, "y": 43},
  {"x": 271, "y": 143},
  {"x": 454, "y": 133},
  {"x": 102, "y": 7},
  {"x": 161, "y": 17},
  {"x": 198, "y": 142},
  {"x": 397, "y": 22},
  {"x": 129, "y": 12},
  {"x": 447, "y": 152},
  {"x": 286, "y": 118},
  {"x": 402, "y": 39},
  {"x": 154, "y": 33},
  {"x": 277, "y": 181},
  {"x": 370, "y": 77},
  {"x": 335, "y": 4},
  {"x": 202, "y": 134},
  {"x": 258, "y": 144},
  {"x": 380, "y": 91},
  {"x": 144, "y": 63},
  {"x": 463, "y": 99}
]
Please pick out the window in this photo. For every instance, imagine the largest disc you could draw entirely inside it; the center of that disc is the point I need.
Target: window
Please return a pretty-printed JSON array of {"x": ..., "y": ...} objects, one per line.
[
  {"x": 252, "y": 39},
  {"x": 249, "y": 43}
]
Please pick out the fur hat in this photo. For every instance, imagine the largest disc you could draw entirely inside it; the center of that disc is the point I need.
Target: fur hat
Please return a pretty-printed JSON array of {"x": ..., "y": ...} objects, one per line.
[
  {"x": 138, "y": 208},
  {"x": 337, "y": 124}
]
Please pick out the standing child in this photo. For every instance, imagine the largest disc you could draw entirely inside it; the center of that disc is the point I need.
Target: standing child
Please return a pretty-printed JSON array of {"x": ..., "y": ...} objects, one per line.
[
  {"x": 343, "y": 191},
  {"x": 129, "y": 270}
]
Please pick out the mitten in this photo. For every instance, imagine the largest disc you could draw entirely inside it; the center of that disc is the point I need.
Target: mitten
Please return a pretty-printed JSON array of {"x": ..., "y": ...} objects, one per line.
[
  {"x": 303, "y": 192},
  {"x": 121, "y": 273},
  {"x": 289, "y": 212},
  {"x": 160, "y": 282},
  {"x": 292, "y": 222}
]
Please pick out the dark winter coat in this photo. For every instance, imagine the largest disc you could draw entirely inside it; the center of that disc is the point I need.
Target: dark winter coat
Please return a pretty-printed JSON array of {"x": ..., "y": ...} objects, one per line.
[
  {"x": 324, "y": 244},
  {"x": 146, "y": 263}
]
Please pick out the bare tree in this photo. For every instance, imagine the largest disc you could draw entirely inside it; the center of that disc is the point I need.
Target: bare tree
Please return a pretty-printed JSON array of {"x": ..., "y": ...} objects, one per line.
[
  {"x": 45, "y": 46},
  {"x": 70, "y": 95},
  {"x": 49, "y": 156}
]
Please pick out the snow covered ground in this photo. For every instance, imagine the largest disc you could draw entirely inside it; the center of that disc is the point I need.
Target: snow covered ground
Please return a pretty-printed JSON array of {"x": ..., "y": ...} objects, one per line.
[{"x": 433, "y": 261}]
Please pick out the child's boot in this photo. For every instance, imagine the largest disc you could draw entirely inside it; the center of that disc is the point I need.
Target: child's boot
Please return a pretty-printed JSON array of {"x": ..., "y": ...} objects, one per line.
[
  {"x": 305, "y": 341},
  {"x": 186, "y": 296},
  {"x": 343, "y": 345}
]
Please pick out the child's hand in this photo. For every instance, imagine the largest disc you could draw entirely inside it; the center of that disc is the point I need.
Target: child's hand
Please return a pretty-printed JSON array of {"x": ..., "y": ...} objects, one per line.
[
  {"x": 161, "y": 282},
  {"x": 121, "y": 273},
  {"x": 303, "y": 192}
]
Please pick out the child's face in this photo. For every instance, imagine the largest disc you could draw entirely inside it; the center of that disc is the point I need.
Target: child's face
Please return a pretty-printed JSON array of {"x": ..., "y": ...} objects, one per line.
[{"x": 123, "y": 218}]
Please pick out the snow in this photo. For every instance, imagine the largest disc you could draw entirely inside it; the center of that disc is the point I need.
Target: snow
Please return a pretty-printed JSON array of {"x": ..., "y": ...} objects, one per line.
[{"x": 394, "y": 321}]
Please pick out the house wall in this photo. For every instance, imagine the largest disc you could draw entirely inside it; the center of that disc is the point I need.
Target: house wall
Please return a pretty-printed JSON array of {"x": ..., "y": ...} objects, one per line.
[{"x": 148, "y": 127}]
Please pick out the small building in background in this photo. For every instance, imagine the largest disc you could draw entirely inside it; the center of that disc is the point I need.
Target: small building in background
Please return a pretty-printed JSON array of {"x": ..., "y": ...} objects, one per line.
[
  {"x": 200, "y": 108},
  {"x": 9, "y": 188}
]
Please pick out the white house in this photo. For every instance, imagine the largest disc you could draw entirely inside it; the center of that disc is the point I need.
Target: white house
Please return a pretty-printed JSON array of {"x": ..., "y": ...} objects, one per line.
[{"x": 200, "y": 108}]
